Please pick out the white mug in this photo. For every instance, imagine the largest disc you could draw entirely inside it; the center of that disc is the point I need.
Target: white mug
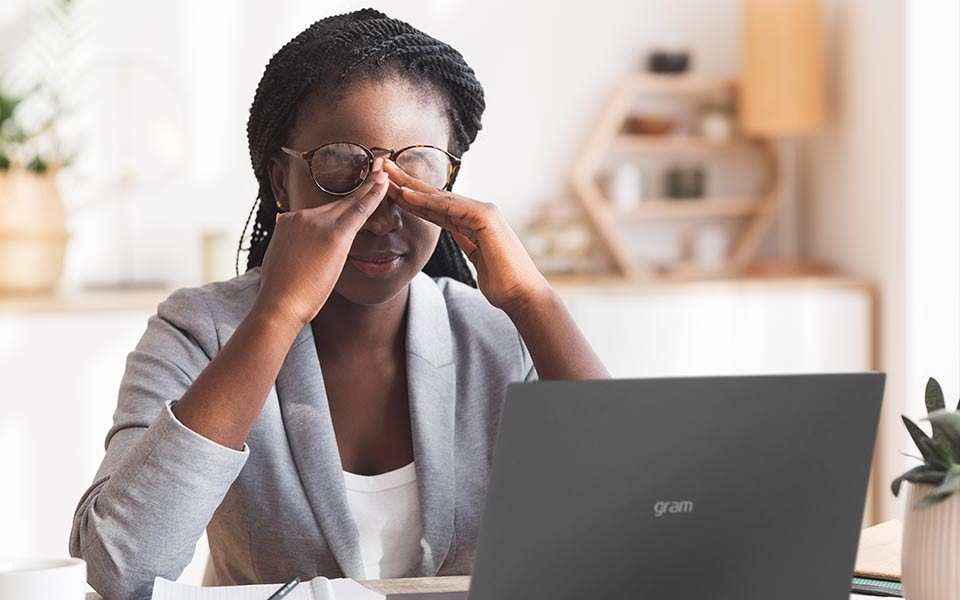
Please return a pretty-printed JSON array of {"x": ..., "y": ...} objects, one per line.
[{"x": 47, "y": 578}]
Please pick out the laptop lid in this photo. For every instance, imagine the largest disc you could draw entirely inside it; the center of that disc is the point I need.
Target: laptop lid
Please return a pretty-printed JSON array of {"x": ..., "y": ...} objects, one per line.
[{"x": 739, "y": 488}]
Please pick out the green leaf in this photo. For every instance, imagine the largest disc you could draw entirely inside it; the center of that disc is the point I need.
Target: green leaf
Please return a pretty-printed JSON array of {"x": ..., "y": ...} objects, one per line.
[
  {"x": 934, "y": 396},
  {"x": 931, "y": 500},
  {"x": 951, "y": 482},
  {"x": 948, "y": 423},
  {"x": 919, "y": 474},
  {"x": 37, "y": 165},
  {"x": 919, "y": 437}
]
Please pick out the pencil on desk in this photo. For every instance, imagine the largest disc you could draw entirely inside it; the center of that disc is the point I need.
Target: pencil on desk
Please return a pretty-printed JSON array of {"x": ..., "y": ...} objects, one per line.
[{"x": 285, "y": 589}]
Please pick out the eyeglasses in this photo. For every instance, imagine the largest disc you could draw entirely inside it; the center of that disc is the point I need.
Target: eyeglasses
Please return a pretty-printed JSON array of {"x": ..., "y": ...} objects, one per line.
[{"x": 339, "y": 168}]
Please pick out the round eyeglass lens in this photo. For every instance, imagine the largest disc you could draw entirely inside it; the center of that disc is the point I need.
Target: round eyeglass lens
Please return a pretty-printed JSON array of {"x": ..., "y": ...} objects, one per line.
[
  {"x": 429, "y": 165},
  {"x": 339, "y": 168}
]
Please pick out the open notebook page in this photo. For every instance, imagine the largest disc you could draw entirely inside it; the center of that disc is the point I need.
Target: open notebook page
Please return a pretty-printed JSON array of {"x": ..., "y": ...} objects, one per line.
[{"x": 319, "y": 588}]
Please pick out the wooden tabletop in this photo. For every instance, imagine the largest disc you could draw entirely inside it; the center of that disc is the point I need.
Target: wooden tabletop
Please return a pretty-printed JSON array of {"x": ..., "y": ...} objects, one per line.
[{"x": 413, "y": 585}]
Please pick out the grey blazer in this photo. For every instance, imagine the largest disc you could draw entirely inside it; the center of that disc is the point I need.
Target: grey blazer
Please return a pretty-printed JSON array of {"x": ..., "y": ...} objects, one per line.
[{"x": 277, "y": 508}]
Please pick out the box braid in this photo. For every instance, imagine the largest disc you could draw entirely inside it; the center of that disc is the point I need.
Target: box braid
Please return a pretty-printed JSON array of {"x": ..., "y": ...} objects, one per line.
[{"x": 327, "y": 57}]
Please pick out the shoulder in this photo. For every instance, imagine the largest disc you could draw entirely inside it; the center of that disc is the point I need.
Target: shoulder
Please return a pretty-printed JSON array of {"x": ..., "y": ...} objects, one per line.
[
  {"x": 208, "y": 314},
  {"x": 220, "y": 300},
  {"x": 469, "y": 310},
  {"x": 482, "y": 333}
]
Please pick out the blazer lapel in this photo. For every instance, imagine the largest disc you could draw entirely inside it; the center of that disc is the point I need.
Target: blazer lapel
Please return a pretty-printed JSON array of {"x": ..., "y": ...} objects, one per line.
[
  {"x": 306, "y": 418},
  {"x": 431, "y": 381}
]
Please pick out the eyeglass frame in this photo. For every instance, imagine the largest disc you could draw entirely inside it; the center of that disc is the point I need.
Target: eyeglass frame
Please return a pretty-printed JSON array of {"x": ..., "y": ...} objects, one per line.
[{"x": 391, "y": 154}]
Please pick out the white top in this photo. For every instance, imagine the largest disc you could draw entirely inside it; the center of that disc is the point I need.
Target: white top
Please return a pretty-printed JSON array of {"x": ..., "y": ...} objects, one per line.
[{"x": 386, "y": 508}]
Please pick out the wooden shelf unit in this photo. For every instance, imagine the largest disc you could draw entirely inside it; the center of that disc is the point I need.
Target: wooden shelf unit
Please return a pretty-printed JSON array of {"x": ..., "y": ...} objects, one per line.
[{"x": 608, "y": 139}]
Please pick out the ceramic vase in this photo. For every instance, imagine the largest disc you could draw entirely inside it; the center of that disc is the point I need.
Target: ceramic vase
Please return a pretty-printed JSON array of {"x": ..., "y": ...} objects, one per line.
[
  {"x": 33, "y": 232},
  {"x": 930, "y": 556}
]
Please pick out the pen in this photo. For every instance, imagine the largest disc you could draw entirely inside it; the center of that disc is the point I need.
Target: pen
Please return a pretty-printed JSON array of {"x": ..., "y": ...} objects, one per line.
[{"x": 285, "y": 589}]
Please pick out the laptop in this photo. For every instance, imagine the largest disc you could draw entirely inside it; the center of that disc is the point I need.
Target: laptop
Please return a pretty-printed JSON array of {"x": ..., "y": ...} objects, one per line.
[{"x": 719, "y": 488}]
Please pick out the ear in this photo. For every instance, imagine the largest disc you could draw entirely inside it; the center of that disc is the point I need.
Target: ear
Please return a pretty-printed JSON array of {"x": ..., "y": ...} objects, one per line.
[{"x": 277, "y": 173}]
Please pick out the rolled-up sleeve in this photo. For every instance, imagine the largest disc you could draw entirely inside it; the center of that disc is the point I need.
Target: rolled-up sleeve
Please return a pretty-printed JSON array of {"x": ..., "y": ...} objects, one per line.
[{"x": 160, "y": 482}]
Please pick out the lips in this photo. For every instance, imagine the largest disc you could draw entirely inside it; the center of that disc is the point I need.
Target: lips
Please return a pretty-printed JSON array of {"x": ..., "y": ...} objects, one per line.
[{"x": 376, "y": 264}]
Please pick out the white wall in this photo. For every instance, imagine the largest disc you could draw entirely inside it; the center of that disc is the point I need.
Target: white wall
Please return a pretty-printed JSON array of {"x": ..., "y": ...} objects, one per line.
[
  {"x": 932, "y": 219},
  {"x": 881, "y": 200},
  {"x": 179, "y": 78}
]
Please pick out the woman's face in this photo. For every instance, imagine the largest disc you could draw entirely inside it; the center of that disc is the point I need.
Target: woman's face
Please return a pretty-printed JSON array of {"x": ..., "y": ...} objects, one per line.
[{"x": 388, "y": 114}]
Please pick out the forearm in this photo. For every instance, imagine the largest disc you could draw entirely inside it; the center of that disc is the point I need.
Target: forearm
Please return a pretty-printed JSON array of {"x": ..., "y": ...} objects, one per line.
[
  {"x": 155, "y": 493},
  {"x": 225, "y": 400},
  {"x": 555, "y": 343}
]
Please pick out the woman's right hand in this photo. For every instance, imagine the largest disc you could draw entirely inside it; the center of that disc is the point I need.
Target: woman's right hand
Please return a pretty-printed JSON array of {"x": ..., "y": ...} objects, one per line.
[{"x": 309, "y": 248}]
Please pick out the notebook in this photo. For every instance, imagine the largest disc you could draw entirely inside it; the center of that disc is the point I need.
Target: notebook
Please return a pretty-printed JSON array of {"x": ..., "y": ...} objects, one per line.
[{"x": 318, "y": 588}]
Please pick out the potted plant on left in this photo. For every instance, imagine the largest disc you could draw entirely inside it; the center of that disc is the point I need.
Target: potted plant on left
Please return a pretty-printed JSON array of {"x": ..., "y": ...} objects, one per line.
[
  {"x": 930, "y": 555},
  {"x": 33, "y": 221}
]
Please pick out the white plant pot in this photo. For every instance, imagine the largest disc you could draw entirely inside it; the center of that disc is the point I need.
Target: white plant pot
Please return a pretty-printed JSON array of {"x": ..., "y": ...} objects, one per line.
[{"x": 930, "y": 557}]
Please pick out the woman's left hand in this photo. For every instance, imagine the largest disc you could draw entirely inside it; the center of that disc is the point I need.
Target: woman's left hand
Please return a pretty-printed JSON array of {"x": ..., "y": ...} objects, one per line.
[{"x": 506, "y": 274}]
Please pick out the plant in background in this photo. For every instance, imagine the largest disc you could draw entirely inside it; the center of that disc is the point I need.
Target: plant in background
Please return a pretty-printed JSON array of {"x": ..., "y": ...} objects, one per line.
[
  {"x": 31, "y": 102},
  {"x": 940, "y": 453}
]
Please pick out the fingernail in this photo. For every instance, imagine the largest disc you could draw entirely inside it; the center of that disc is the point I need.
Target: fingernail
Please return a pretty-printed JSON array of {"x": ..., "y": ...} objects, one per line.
[
  {"x": 381, "y": 177},
  {"x": 377, "y": 163}
]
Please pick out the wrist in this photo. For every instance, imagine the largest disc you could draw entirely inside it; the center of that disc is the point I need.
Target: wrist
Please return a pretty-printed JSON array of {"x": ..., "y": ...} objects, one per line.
[
  {"x": 538, "y": 301},
  {"x": 275, "y": 318}
]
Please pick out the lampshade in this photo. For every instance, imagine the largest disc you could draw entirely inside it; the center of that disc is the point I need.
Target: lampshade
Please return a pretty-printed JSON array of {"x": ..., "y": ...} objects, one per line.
[{"x": 782, "y": 89}]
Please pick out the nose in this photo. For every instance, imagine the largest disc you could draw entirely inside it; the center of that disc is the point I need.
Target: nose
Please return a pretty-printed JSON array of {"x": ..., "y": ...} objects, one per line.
[{"x": 386, "y": 218}]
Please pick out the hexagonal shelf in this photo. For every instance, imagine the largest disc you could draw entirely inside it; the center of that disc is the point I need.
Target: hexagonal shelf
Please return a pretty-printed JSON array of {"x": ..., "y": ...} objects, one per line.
[{"x": 745, "y": 217}]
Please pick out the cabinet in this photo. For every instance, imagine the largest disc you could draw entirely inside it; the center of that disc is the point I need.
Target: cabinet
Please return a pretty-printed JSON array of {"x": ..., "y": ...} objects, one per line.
[{"x": 736, "y": 217}]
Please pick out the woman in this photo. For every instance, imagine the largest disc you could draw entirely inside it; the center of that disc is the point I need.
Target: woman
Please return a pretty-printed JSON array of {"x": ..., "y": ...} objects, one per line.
[{"x": 332, "y": 411}]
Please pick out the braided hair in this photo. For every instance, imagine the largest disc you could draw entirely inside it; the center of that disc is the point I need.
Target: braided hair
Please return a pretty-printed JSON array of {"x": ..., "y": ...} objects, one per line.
[{"x": 330, "y": 55}]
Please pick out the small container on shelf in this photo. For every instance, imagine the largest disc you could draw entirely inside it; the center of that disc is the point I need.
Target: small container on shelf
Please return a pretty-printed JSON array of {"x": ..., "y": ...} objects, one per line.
[
  {"x": 710, "y": 247},
  {"x": 626, "y": 186},
  {"x": 643, "y": 124},
  {"x": 672, "y": 61},
  {"x": 715, "y": 123},
  {"x": 559, "y": 240},
  {"x": 685, "y": 182}
]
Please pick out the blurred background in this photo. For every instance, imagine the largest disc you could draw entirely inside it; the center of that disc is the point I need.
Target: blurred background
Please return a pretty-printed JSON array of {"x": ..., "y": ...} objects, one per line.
[{"x": 714, "y": 187}]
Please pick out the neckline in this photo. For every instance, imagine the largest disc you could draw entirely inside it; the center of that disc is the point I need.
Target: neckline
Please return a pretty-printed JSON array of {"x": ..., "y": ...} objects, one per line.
[{"x": 384, "y": 481}]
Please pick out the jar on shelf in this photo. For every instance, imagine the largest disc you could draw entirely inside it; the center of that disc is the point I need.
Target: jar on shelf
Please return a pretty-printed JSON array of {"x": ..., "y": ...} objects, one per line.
[
  {"x": 685, "y": 181},
  {"x": 626, "y": 186},
  {"x": 715, "y": 123}
]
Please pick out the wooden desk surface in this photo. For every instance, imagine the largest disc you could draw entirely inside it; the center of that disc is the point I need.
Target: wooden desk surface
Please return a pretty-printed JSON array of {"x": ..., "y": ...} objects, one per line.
[{"x": 414, "y": 585}]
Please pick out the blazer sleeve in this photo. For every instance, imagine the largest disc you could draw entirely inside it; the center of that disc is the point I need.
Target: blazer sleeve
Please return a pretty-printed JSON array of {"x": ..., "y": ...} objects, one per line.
[{"x": 160, "y": 482}]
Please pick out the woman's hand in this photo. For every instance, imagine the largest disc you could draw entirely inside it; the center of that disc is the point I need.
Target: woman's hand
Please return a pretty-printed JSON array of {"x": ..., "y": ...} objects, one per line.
[
  {"x": 505, "y": 273},
  {"x": 309, "y": 249}
]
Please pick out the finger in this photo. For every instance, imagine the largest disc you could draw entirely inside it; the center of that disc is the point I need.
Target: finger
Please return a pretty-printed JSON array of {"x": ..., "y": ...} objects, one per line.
[
  {"x": 357, "y": 208},
  {"x": 446, "y": 209},
  {"x": 465, "y": 244},
  {"x": 402, "y": 178},
  {"x": 440, "y": 218}
]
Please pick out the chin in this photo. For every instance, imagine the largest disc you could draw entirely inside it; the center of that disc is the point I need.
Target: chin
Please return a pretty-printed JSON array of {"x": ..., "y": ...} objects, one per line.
[{"x": 366, "y": 290}]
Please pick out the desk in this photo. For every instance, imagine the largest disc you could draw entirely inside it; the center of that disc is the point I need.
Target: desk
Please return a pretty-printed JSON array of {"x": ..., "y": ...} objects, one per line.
[
  {"x": 427, "y": 585},
  {"x": 414, "y": 585}
]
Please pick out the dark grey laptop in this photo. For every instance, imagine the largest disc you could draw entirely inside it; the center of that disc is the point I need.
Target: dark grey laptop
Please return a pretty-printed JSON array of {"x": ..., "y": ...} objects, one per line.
[{"x": 720, "y": 488}]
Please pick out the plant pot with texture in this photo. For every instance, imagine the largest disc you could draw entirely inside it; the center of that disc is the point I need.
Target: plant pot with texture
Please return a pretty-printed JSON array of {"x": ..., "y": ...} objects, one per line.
[
  {"x": 33, "y": 231},
  {"x": 930, "y": 555}
]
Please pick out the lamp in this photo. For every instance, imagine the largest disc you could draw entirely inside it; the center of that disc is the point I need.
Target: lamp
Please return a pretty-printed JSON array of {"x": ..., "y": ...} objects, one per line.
[{"x": 782, "y": 86}]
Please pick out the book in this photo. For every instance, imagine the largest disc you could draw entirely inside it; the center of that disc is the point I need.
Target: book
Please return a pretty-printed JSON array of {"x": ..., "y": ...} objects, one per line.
[
  {"x": 878, "y": 555},
  {"x": 318, "y": 588}
]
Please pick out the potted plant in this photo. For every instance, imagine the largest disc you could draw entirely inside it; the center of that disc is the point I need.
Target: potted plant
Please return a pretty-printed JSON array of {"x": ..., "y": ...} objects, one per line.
[
  {"x": 33, "y": 221},
  {"x": 930, "y": 555}
]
